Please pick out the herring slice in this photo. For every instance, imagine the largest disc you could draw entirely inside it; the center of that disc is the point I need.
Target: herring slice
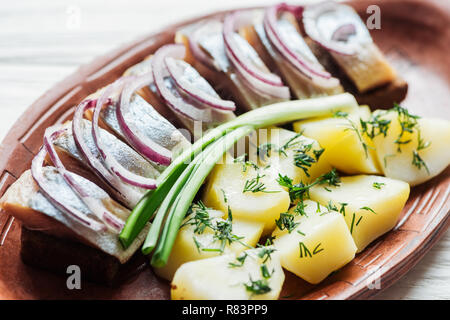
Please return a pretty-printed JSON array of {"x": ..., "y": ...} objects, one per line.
[
  {"x": 339, "y": 30},
  {"x": 126, "y": 156},
  {"x": 207, "y": 37},
  {"x": 24, "y": 201}
]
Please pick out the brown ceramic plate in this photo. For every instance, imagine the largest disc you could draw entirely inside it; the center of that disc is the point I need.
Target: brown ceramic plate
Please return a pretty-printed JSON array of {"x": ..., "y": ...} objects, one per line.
[{"x": 415, "y": 37}]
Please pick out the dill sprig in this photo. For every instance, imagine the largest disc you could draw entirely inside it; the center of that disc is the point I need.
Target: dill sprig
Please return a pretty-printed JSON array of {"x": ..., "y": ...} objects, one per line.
[
  {"x": 255, "y": 185},
  {"x": 240, "y": 261},
  {"x": 301, "y": 190},
  {"x": 353, "y": 127},
  {"x": 378, "y": 185},
  {"x": 265, "y": 271},
  {"x": 223, "y": 232},
  {"x": 257, "y": 286},
  {"x": 265, "y": 253},
  {"x": 289, "y": 144},
  {"x": 407, "y": 121},
  {"x": 368, "y": 209},
  {"x": 318, "y": 153},
  {"x": 304, "y": 251},
  {"x": 317, "y": 249},
  {"x": 342, "y": 209},
  {"x": 352, "y": 224},
  {"x": 199, "y": 218},
  {"x": 263, "y": 150},
  {"x": 375, "y": 126},
  {"x": 286, "y": 221},
  {"x": 245, "y": 163},
  {"x": 417, "y": 159},
  {"x": 299, "y": 209},
  {"x": 302, "y": 160},
  {"x": 222, "y": 229}
]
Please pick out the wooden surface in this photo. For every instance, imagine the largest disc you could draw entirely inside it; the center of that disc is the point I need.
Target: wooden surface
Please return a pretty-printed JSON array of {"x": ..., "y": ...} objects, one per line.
[{"x": 44, "y": 41}]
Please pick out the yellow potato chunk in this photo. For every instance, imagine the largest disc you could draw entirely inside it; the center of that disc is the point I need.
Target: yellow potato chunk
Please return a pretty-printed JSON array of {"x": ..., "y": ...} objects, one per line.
[
  {"x": 415, "y": 163},
  {"x": 372, "y": 204},
  {"x": 291, "y": 154},
  {"x": 196, "y": 239},
  {"x": 252, "y": 194},
  {"x": 318, "y": 243},
  {"x": 230, "y": 277},
  {"x": 346, "y": 147}
]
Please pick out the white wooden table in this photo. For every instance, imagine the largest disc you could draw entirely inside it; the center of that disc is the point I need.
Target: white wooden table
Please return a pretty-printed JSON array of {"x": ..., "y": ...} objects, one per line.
[{"x": 43, "y": 41}]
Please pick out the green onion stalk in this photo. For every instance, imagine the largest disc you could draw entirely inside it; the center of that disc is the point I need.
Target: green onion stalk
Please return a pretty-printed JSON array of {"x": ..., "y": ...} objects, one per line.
[{"x": 173, "y": 197}]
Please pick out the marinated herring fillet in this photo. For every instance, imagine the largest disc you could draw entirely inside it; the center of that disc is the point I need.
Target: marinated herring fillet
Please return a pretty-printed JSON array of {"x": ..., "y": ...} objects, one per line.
[{"x": 24, "y": 201}]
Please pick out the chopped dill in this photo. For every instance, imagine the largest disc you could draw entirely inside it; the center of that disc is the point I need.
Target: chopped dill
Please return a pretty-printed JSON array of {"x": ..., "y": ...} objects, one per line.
[
  {"x": 304, "y": 251},
  {"x": 408, "y": 123},
  {"x": 299, "y": 209},
  {"x": 289, "y": 144},
  {"x": 245, "y": 163},
  {"x": 375, "y": 126},
  {"x": 257, "y": 286},
  {"x": 301, "y": 190},
  {"x": 417, "y": 160},
  {"x": 317, "y": 250},
  {"x": 342, "y": 209},
  {"x": 269, "y": 241},
  {"x": 265, "y": 272},
  {"x": 254, "y": 185},
  {"x": 265, "y": 252},
  {"x": 359, "y": 220},
  {"x": 240, "y": 261},
  {"x": 199, "y": 218},
  {"x": 301, "y": 233},
  {"x": 263, "y": 150},
  {"x": 286, "y": 221},
  {"x": 318, "y": 153},
  {"x": 303, "y": 160},
  {"x": 353, "y": 222},
  {"x": 378, "y": 185},
  {"x": 368, "y": 209},
  {"x": 354, "y": 127}
]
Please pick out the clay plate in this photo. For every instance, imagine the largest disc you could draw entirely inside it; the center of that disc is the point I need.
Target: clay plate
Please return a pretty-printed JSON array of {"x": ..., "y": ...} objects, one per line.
[{"x": 415, "y": 37}]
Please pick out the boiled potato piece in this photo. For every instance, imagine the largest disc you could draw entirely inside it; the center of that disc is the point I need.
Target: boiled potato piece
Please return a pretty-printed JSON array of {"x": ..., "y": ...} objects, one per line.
[
  {"x": 227, "y": 277},
  {"x": 227, "y": 182},
  {"x": 318, "y": 243},
  {"x": 373, "y": 204},
  {"x": 435, "y": 155},
  {"x": 291, "y": 154},
  {"x": 343, "y": 141},
  {"x": 193, "y": 243}
]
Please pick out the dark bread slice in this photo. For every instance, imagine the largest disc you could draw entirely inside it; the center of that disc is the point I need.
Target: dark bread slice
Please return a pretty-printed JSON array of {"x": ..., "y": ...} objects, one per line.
[{"x": 55, "y": 254}]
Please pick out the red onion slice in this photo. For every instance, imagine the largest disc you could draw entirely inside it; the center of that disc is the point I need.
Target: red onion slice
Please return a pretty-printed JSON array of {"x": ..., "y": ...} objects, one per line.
[
  {"x": 144, "y": 145},
  {"x": 344, "y": 32},
  {"x": 109, "y": 160},
  {"x": 243, "y": 55},
  {"x": 197, "y": 51},
  {"x": 310, "y": 68},
  {"x": 38, "y": 176},
  {"x": 324, "y": 23},
  {"x": 245, "y": 59},
  {"x": 126, "y": 193},
  {"x": 193, "y": 84},
  {"x": 173, "y": 99},
  {"x": 94, "y": 204}
]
